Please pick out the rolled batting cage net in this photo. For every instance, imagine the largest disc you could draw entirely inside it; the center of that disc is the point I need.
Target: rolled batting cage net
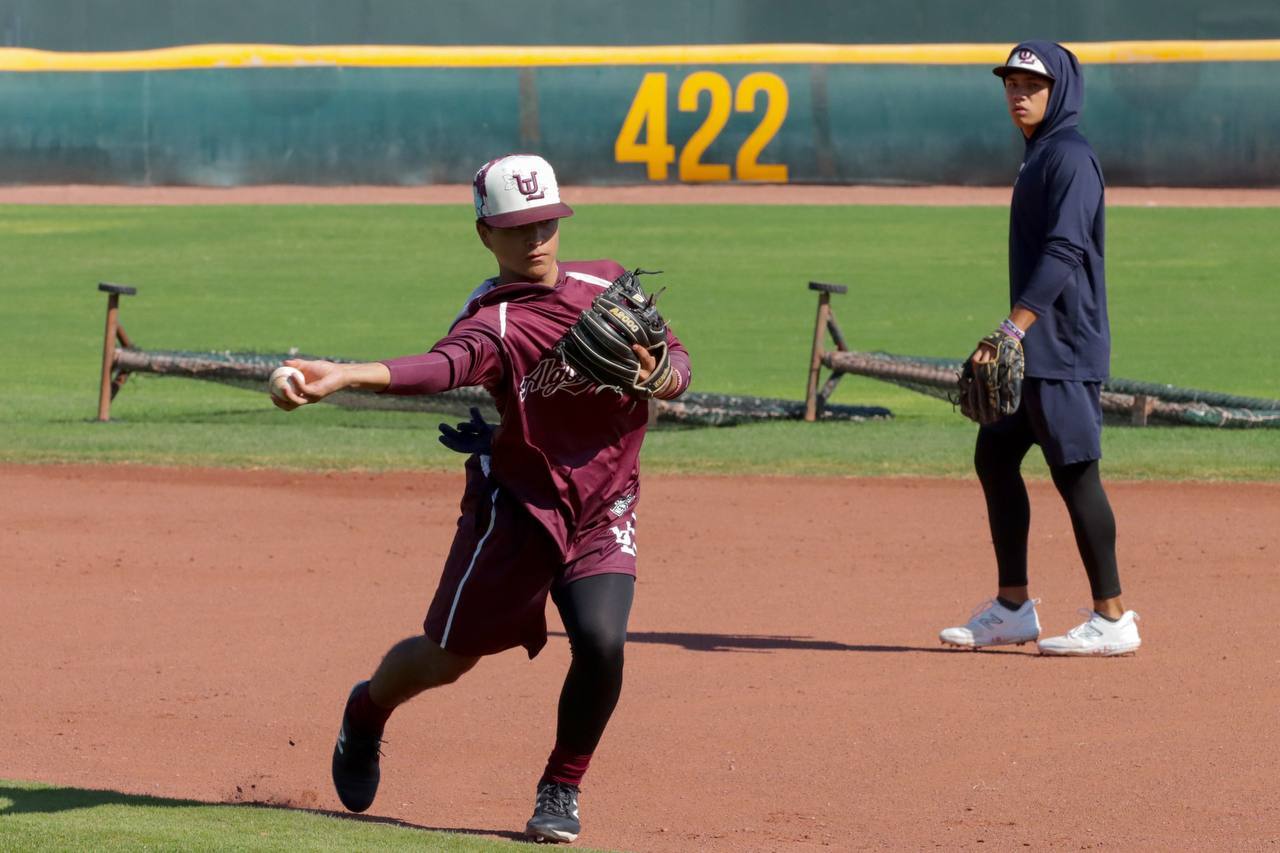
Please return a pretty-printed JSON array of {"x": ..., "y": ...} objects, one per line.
[
  {"x": 251, "y": 370},
  {"x": 1158, "y": 403}
]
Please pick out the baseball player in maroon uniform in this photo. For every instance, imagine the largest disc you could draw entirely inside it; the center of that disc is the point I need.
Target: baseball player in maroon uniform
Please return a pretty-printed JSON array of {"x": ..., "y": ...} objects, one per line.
[{"x": 550, "y": 509}]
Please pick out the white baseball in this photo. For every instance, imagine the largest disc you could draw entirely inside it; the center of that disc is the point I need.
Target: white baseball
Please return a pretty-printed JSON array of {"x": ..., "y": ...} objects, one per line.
[{"x": 282, "y": 377}]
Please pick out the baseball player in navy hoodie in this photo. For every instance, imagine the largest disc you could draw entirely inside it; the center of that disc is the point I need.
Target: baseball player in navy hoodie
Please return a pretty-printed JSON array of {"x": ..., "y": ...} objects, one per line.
[{"x": 1058, "y": 299}]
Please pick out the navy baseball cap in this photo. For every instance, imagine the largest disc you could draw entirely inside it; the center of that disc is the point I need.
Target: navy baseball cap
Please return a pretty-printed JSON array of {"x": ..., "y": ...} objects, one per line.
[{"x": 1023, "y": 58}]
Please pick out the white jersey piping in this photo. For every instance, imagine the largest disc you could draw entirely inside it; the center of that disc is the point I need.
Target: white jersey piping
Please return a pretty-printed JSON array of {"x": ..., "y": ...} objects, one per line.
[
  {"x": 589, "y": 279},
  {"x": 493, "y": 516}
]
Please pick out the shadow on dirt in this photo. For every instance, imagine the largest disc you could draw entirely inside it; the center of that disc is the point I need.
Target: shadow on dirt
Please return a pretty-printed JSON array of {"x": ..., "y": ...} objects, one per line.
[{"x": 769, "y": 643}]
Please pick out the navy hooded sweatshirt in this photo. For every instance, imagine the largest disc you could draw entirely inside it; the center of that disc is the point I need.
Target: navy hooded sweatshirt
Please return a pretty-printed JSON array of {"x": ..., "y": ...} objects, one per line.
[{"x": 1056, "y": 235}]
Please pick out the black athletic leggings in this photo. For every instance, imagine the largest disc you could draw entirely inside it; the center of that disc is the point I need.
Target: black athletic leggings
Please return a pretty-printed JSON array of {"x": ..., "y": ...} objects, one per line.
[
  {"x": 998, "y": 460},
  {"x": 594, "y": 611}
]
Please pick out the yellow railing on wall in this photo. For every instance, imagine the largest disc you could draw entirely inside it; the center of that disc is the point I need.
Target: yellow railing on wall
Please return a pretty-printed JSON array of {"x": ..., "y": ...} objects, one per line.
[{"x": 400, "y": 56}]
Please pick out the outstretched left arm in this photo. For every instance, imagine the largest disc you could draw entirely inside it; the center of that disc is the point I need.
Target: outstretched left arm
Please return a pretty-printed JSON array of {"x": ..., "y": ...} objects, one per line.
[{"x": 322, "y": 378}]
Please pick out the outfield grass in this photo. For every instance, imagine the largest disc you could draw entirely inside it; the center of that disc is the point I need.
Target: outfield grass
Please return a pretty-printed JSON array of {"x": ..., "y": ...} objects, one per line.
[
  {"x": 1192, "y": 303},
  {"x": 46, "y": 817}
]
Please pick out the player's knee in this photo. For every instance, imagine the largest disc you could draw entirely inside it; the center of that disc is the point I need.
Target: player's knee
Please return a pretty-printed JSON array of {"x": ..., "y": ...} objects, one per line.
[
  {"x": 450, "y": 671},
  {"x": 993, "y": 462},
  {"x": 987, "y": 464},
  {"x": 439, "y": 665},
  {"x": 601, "y": 647},
  {"x": 1076, "y": 478}
]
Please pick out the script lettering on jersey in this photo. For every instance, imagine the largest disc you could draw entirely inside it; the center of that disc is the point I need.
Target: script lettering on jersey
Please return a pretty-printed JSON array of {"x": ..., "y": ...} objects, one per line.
[
  {"x": 528, "y": 188},
  {"x": 550, "y": 376}
]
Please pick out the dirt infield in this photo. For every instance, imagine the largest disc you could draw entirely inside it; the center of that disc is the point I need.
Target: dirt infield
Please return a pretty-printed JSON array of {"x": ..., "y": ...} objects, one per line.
[
  {"x": 194, "y": 633},
  {"x": 647, "y": 194}
]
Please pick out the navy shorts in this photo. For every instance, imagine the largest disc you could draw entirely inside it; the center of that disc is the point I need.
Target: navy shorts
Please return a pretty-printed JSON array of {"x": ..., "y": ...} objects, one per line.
[{"x": 1064, "y": 417}]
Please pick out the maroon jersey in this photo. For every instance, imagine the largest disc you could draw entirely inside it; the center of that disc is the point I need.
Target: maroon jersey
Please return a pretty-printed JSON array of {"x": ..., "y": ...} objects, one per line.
[{"x": 567, "y": 450}]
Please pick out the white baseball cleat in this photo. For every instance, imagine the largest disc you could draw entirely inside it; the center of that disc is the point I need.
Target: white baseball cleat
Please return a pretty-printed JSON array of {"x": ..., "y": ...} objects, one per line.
[
  {"x": 993, "y": 624},
  {"x": 1096, "y": 636}
]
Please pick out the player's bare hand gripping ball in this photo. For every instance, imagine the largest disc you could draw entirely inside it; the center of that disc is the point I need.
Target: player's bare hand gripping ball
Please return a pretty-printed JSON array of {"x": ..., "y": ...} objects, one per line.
[
  {"x": 284, "y": 386},
  {"x": 322, "y": 378}
]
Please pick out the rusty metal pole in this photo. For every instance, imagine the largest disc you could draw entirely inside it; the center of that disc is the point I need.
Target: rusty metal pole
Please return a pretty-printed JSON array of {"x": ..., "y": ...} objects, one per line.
[
  {"x": 819, "y": 331},
  {"x": 114, "y": 292},
  {"x": 815, "y": 359},
  {"x": 1142, "y": 407}
]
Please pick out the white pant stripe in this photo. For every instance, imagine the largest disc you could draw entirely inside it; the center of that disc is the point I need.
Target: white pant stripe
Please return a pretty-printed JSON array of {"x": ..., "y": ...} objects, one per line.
[{"x": 493, "y": 516}]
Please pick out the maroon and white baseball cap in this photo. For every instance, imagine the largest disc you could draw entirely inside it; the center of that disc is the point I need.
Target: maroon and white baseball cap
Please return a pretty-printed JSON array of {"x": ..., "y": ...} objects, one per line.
[
  {"x": 1022, "y": 58},
  {"x": 517, "y": 189}
]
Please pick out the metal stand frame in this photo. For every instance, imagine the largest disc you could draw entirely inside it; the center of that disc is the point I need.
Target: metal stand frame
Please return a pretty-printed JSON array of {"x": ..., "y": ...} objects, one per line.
[
  {"x": 816, "y": 400},
  {"x": 112, "y": 379}
]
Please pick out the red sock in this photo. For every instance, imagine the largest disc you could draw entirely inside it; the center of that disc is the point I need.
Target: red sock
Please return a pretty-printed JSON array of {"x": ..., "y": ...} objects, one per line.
[
  {"x": 565, "y": 766},
  {"x": 365, "y": 714}
]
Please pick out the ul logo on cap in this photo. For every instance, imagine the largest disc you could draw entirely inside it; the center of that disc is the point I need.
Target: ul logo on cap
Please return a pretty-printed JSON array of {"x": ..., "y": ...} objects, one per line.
[
  {"x": 1025, "y": 55},
  {"x": 529, "y": 189}
]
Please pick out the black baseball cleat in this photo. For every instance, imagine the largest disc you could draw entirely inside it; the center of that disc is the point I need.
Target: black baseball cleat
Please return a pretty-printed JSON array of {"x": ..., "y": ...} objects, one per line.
[
  {"x": 555, "y": 814},
  {"x": 355, "y": 763}
]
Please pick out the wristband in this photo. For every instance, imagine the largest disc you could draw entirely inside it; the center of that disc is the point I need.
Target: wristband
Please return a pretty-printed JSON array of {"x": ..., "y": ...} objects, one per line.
[{"x": 1007, "y": 326}]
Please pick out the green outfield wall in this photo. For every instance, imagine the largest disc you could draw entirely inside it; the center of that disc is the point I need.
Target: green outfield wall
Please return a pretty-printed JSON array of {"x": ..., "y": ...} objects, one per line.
[
  {"x": 1179, "y": 92},
  {"x": 1177, "y": 124},
  {"x": 79, "y": 25}
]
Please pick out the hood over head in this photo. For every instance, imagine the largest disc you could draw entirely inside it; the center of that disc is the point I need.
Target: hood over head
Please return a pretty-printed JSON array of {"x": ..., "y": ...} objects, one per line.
[{"x": 1052, "y": 60}]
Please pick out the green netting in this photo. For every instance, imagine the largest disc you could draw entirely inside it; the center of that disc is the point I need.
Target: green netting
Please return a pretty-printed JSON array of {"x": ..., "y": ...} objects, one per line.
[
  {"x": 936, "y": 377},
  {"x": 252, "y": 369}
]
